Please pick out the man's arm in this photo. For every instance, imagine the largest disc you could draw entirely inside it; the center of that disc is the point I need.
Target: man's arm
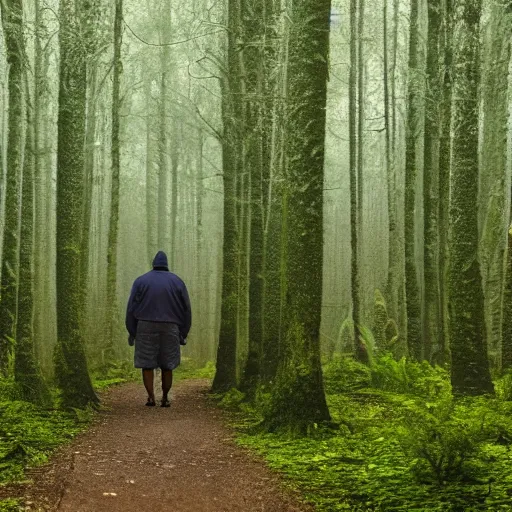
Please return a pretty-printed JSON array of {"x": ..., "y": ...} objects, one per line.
[
  {"x": 187, "y": 312},
  {"x": 131, "y": 321}
]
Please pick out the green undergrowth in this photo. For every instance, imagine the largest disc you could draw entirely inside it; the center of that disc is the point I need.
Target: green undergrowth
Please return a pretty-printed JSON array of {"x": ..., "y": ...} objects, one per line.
[
  {"x": 403, "y": 443},
  {"x": 29, "y": 434},
  {"x": 190, "y": 370},
  {"x": 10, "y": 505}
]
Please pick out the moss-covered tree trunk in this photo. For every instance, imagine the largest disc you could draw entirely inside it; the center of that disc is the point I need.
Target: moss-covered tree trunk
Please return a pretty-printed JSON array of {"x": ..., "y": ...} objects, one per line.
[
  {"x": 257, "y": 20},
  {"x": 298, "y": 398},
  {"x": 394, "y": 273},
  {"x": 506, "y": 348},
  {"x": 470, "y": 367},
  {"x": 445, "y": 148},
  {"x": 27, "y": 372},
  {"x": 226, "y": 370},
  {"x": 412, "y": 287},
  {"x": 431, "y": 320},
  {"x": 112, "y": 305},
  {"x": 494, "y": 178},
  {"x": 71, "y": 370},
  {"x": 12, "y": 23},
  {"x": 506, "y": 48},
  {"x": 273, "y": 196},
  {"x": 355, "y": 163}
]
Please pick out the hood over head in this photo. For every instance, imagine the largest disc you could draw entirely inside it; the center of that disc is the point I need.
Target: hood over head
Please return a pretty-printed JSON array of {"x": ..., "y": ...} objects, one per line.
[{"x": 160, "y": 261}]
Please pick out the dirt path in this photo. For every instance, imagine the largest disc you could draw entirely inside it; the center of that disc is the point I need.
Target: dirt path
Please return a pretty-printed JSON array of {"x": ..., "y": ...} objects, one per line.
[{"x": 140, "y": 459}]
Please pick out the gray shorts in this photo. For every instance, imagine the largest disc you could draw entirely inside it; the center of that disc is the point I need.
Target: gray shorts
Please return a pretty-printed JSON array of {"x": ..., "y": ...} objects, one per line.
[{"x": 157, "y": 345}]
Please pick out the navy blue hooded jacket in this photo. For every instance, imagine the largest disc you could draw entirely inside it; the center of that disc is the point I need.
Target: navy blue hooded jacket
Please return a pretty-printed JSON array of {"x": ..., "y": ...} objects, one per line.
[{"x": 159, "y": 296}]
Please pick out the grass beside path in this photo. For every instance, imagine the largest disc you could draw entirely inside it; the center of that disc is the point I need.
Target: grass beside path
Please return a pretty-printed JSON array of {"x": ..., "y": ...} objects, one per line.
[
  {"x": 29, "y": 434},
  {"x": 403, "y": 443}
]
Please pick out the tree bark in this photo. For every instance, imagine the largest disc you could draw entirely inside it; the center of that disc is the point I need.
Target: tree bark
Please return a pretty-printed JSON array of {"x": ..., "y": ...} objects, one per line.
[
  {"x": 298, "y": 397},
  {"x": 432, "y": 334},
  {"x": 258, "y": 161},
  {"x": 393, "y": 247},
  {"x": 412, "y": 288},
  {"x": 71, "y": 365},
  {"x": 470, "y": 367},
  {"x": 112, "y": 305},
  {"x": 12, "y": 20},
  {"x": 356, "y": 192},
  {"x": 226, "y": 370},
  {"x": 494, "y": 178},
  {"x": 27, "y": 372}
]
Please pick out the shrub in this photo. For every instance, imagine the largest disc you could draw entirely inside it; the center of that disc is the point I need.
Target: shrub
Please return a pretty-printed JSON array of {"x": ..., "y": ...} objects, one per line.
[
  {"x": 346, "y": 335},
  {"x": 232, "y": 399},
  {"x": 440, "y": 443},
  {"x": 405, "y": 376},
  {"x": 344, "y": 374},
  {"x": 503, "y": 387}
]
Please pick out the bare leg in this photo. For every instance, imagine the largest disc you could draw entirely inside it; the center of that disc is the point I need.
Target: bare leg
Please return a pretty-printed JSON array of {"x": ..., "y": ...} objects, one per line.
[
  {"x": 148, "y": 377},
  {"x": 166, "y": 383}
]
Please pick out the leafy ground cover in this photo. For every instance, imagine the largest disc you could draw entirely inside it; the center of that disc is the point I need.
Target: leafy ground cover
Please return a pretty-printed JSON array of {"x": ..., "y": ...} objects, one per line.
[{"x": 403, "y": 443}]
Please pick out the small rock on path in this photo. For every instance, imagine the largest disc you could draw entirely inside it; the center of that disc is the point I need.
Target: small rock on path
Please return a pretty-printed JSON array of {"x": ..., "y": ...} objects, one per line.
[{"x": 182, "y": 459}]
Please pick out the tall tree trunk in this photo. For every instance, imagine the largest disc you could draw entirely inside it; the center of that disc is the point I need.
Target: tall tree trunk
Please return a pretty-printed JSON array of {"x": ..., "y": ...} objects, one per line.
[
  {"x": 273, "y": 198},
  {"x": 175, "y": 159},
  {"x": 27, "y": 372},
  {"x": 355, "y": 129},
  {"x": 431, "y": 332},
  {"x": 163, "y": 135},
  {"x": 112, "y": 305},
  {"x": 40, "y": 199},
  {"x": 470, "y": 367},
  {"x": 412, "y": 288},
  {"x": 71, "y": 365},
  {"x": 12, "y": 21},
  {"x": 163, "y": 170},
  {"x": 255, "y": 59},
  {"x": 151, "y": 178},
  {"x": 494, "y": 177},
  {"x": 91, "y": 133},
  {"x": 393, "y": 243},
  {"x": 445, "y": 148},
  {"x": 506, "y": 48},
  {"x": 226, "y": 373},
  {"x": 298, "y": 398}
]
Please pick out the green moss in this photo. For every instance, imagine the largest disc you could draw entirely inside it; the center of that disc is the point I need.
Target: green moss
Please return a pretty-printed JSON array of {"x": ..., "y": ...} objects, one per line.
[
  {"x": 29, "y": 434},
  {"x": 189, "y": 370},
  {"x": 414, "y": 451},
  {"x": 10, "y": 505}
]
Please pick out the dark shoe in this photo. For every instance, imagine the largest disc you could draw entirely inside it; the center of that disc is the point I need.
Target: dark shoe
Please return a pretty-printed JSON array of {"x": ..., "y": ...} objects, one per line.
[
  {"x": 150, "y": 403},
  {"x": 165, "y": 403}
]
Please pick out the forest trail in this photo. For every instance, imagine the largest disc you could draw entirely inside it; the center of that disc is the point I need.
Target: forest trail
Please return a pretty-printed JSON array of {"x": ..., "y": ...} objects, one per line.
[{"x": 182, "y": 459}]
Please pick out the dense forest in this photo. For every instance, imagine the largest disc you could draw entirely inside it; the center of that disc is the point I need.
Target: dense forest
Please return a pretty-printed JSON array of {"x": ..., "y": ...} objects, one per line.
[{"x": 332, "y": 180}]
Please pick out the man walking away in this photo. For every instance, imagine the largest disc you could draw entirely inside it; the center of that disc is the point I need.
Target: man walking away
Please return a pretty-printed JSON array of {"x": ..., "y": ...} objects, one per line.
[{"x": 158, "y": 319}]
